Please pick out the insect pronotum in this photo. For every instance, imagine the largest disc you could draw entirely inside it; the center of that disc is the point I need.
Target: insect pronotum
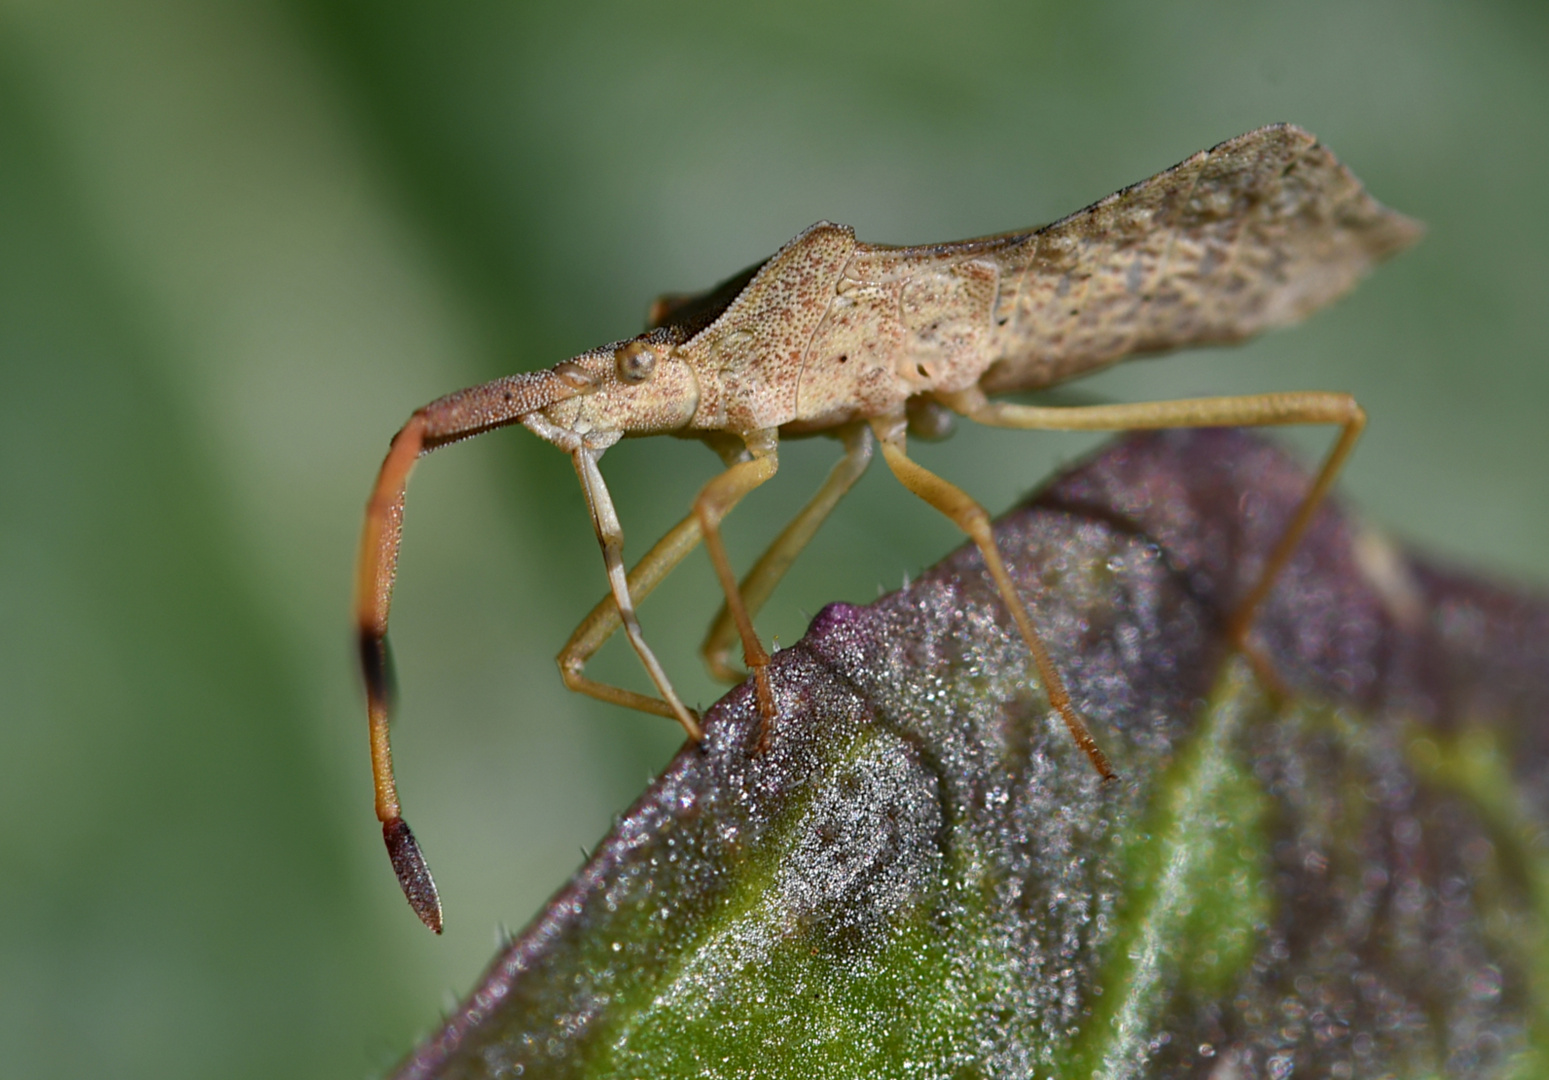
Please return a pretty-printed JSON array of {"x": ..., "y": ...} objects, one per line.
[{"x": 866, "y": 343}]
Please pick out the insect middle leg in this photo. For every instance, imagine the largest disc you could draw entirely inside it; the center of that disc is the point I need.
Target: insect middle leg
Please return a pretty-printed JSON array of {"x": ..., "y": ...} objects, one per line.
[
  {"x": 1256, "y": 410},
  {"x": 715, "y": 501},
  {"x": 974, "y": 520},
  {"x": 760, "y": 581}
]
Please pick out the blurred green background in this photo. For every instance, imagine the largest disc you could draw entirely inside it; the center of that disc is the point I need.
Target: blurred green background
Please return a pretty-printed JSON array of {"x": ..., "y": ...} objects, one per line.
[{"x": 240, "y": 242}]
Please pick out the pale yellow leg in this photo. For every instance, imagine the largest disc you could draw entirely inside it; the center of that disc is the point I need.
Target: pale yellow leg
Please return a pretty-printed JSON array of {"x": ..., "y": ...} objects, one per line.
[
  {"x": 760, "y": 581},
  {"x": 715, "y": 501},
  {"x": 1257, "y": 410},
  {"x": 974, "y": 520},
  {"x": 610, "y": 535},
  {"x": 604, "y": 621}
]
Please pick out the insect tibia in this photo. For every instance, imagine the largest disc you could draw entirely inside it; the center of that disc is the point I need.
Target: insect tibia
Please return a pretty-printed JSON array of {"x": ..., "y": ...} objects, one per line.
[{"x": 413, "y": 872}]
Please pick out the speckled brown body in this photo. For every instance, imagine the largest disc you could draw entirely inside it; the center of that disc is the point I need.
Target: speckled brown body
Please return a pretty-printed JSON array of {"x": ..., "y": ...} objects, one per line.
[{"x": 1254, "y": 233}]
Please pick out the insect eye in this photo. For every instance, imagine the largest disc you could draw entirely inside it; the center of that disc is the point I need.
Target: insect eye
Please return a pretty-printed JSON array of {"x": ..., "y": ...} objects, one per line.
[{"x": 635, "y": 362}]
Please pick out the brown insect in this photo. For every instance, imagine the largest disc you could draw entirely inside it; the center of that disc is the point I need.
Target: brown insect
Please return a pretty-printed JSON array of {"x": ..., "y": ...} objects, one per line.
[{"x": 866, "y": 342}]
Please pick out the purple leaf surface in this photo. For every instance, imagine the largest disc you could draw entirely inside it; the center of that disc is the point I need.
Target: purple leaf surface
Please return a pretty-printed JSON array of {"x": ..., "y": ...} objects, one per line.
[{"x": 914, "y": 871}]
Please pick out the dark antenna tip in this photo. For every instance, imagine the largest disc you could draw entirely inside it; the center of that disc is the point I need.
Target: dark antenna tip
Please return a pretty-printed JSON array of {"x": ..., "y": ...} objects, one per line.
[{"x": 413, "y": 872}]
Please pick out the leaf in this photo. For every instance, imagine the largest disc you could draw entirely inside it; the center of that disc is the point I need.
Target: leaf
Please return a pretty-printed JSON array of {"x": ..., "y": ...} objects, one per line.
[{"x": 914, "y": 872}]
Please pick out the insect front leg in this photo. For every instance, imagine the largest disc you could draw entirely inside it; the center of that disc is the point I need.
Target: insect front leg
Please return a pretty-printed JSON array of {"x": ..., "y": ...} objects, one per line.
[
  {"x": 610, "y": 535},
  {"x": 760, "y": 581},
  {"x": 604, "y": 621},
  {"x": 973, "y": 519},
  {"x": 714, "y": 502},
  {"x": 1255, "y": 410}
]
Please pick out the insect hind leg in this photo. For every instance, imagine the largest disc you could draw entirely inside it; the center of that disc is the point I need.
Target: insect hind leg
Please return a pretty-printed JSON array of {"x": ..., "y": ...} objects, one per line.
[
  {"x": 1255, "y": 410},
  {"x": 973, "y": 519}
]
